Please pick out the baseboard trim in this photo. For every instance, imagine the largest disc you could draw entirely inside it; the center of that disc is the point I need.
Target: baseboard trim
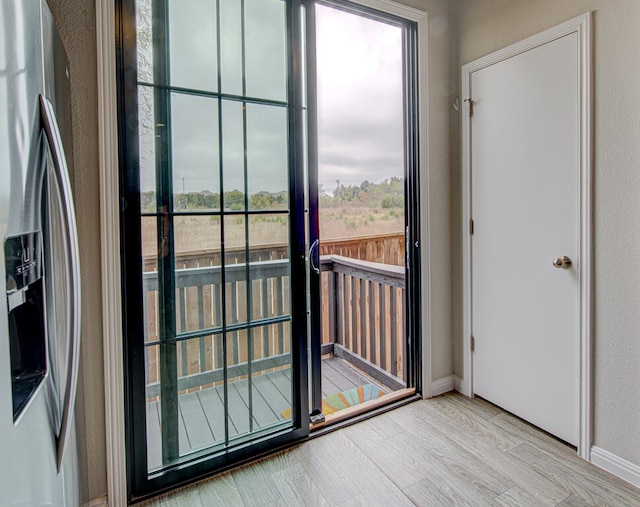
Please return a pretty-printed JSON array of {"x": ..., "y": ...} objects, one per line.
[
  {"x": 458, "y": 385},
  {"x": 442, "y": 385},
  {"x": 616, "y": 465},
  {"x": 97, "y": 502}
]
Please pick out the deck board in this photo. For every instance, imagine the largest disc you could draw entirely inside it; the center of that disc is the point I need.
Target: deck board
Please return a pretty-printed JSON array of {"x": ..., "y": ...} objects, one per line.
[
  {"x": 154, "y": 437},
  {"x": 342, "y": 378},
  {"x": 238, "y": 406},
  {"x": 214, "y": 411},
  {"x": 329, "y": 387},
  {"x": 202, "y": 424},
  {"x": 183, "y": 437},
  {"x": 271, "y": 394},
  {"x": 263, "y": 413},
  {"x": 196, "y": 425}
]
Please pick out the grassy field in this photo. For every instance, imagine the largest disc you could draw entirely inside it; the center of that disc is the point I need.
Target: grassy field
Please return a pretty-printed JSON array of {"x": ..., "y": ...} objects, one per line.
[
  {"x": 203, "y": 233},
  {"x": 355, "y": 221}
]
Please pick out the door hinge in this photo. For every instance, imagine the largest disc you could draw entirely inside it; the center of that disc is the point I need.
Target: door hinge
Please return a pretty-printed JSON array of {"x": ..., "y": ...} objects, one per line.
[
  {"x": 473, "y": 343},
  {"x": 471, "y": 226},
  {"x": 470, "y": 106}
]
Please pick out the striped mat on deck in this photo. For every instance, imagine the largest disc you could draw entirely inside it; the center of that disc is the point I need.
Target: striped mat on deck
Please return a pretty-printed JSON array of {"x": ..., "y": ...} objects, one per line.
[{"x": 345, "y": 399}]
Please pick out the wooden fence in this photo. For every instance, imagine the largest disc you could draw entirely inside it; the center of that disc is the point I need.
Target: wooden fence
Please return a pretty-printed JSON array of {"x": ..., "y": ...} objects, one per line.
[
  {"x": 382, "y": 248},
  {"x": 362, "y": 310}
]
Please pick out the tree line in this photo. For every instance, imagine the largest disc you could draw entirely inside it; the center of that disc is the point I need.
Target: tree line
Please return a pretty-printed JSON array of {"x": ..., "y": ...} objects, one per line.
[
  {"x": 387, "y": 194},
  {"x": 233, "y": 200}
]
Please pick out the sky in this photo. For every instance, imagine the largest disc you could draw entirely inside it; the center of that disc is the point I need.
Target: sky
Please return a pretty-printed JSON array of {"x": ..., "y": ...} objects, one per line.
[
  {"x": 360, "y": 125},
  {"x": 359, "y": 88}
]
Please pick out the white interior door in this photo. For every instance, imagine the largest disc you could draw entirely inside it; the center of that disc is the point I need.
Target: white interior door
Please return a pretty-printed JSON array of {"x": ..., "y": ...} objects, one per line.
[{"x": 525, "y": 169}]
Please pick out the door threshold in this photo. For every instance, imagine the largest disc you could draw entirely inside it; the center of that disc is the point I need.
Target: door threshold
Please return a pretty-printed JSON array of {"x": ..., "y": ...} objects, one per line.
[{"x": 363, "y": 408}]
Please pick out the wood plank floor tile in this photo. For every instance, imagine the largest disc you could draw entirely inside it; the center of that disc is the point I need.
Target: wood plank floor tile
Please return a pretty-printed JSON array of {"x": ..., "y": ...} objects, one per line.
[
  {"x": 478, "y": 406},
  {"x": 297, "y": 488},
  {"x": 358, "y": 474},
  {"x": 356, "y": 501},
  {"x": 386, "y": 425},
  {"x": 439, "y": 426},
  {"x": 433, "y": 493},
  {"x": 581, "y": 478},
  {"x": 481, "y": 428},
  {"x": 402, "y": 467},
  {"x": 255, "y": 485},
  {"x": 282, "y": 460},
  {"x": 527, "y": 432},
  {"x": 447, "y": 463},
  {"x": 574, "y": 501},
  {"x": 221, "y": 491},
  {"x": 325, "y": 472},
  {"x": 447, "y": 451},
  {"x": 179, "y": 498},
  {"x": 518, "y": 497}
]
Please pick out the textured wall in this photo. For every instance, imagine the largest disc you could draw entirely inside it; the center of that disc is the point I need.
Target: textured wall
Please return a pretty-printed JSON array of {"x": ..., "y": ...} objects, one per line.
[
  {"x": 76, "y": 23},
  {"x": 488, "y": 25},
  {"x": 434, "y": 178},
  {"x": 436, "y": 185}
]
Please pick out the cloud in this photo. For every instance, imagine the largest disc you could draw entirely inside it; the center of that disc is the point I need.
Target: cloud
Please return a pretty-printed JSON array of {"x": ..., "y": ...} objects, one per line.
[
  {"x": 360, "y": 103},
  {"x": 360, "y": 95}
]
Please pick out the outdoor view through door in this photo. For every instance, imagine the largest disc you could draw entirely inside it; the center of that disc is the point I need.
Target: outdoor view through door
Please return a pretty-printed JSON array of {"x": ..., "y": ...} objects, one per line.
[
  {"x": 361, "y": 133},
  {"x": 248, "y": 130}
]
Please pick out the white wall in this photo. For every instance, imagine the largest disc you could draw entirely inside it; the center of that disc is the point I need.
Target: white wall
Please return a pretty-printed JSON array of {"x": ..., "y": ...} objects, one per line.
[
  {"x": 488, "y": 25},
  {"x": 435, "y": 184}
]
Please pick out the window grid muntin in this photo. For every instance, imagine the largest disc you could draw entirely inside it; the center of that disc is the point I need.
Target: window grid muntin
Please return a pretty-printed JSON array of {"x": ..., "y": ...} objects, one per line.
[{"x": 163, "y": 91}]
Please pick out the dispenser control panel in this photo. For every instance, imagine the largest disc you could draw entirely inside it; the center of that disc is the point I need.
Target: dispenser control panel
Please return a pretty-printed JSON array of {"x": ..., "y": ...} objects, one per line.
[{"x": 25, "y": 304}]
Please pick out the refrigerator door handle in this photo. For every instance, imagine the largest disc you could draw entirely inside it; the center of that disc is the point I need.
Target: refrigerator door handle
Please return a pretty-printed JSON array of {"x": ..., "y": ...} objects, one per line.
[{"x": 61, "y": 172}]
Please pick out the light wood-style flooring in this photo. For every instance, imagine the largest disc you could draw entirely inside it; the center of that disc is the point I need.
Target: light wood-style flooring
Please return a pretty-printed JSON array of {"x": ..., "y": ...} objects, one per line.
[{"x": 449, "y": 450}]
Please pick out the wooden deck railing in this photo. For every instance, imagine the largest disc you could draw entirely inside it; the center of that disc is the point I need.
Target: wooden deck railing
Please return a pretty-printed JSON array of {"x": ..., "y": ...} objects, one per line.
[
  {"x": 362, "y": 319},
  {"x": 384, "y": 248},
  {"x": 199, "y": 307},
  {"x": 363, "y": 316}
]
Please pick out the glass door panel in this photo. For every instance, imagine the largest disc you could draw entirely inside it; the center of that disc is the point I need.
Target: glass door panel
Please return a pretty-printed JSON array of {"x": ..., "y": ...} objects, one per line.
[
  {"x": 195, "y": 153},
  {"x": 219, "y": 371},
  {"x": 361, "y": 186}
]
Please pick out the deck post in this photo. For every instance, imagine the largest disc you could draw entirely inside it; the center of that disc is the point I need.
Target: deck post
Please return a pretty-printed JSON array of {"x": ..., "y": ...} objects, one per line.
[{"x": 332, "y": 306}]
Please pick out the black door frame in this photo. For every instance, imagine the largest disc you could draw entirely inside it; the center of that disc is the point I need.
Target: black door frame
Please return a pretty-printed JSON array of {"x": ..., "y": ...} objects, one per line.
[
  {"x": 141, "y": 484},
  {"x": 412, "y": 195}
]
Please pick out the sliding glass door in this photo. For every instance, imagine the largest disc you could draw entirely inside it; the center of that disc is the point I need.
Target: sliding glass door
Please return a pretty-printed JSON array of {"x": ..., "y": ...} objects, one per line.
[
  {"x": 364, "y": 213},
  {"x": 226, "y": 295},
  {"x": 213, "y": 234}
]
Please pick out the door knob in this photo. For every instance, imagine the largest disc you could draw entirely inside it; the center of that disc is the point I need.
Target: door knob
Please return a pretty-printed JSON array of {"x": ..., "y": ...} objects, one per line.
[{"x": 562, "y": 262}]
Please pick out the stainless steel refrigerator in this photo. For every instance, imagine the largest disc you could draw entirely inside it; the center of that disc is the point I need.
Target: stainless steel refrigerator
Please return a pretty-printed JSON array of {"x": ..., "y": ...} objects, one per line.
[{"x": 40, "y": 276}]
